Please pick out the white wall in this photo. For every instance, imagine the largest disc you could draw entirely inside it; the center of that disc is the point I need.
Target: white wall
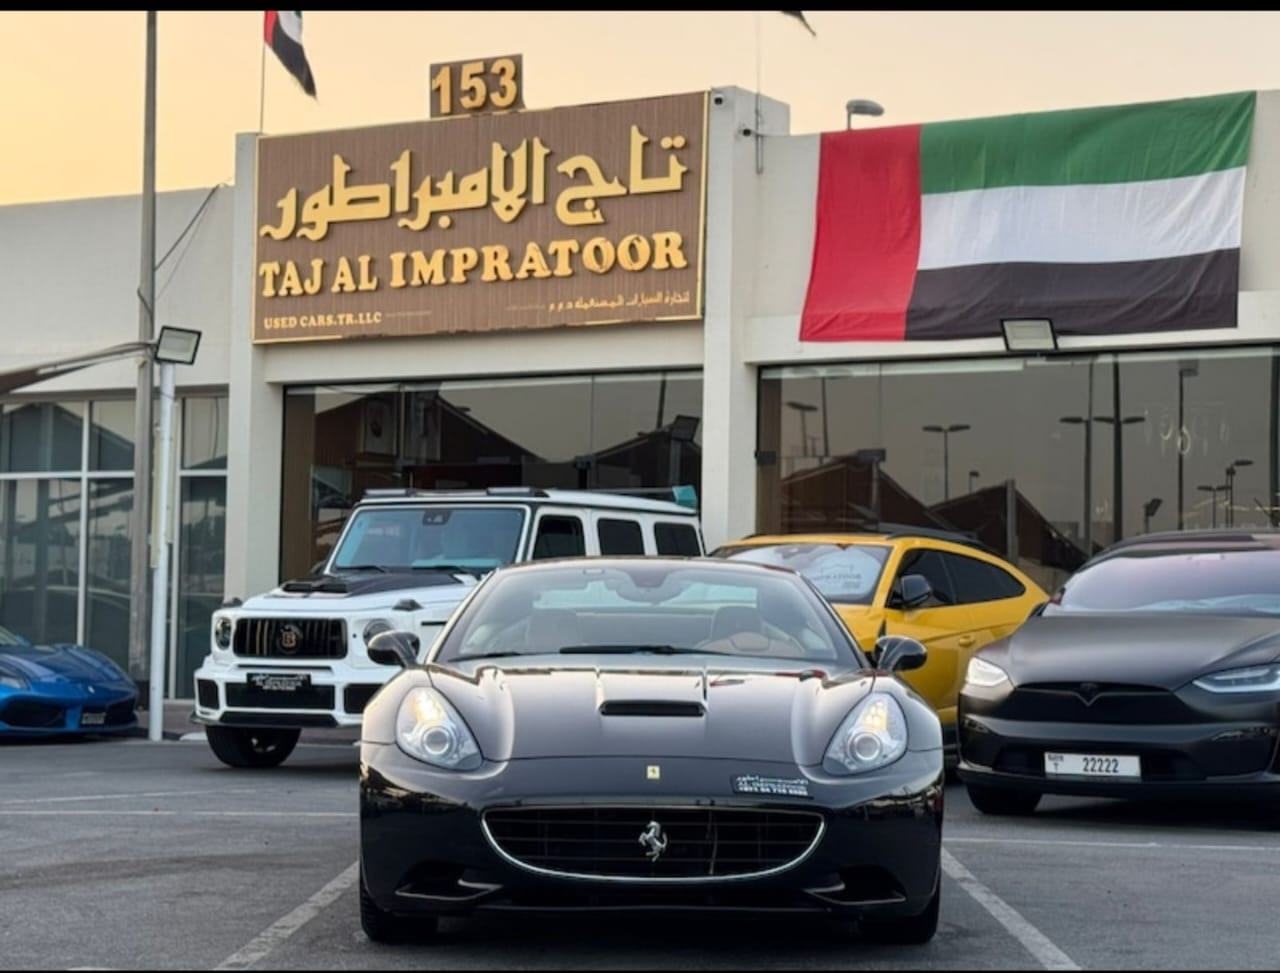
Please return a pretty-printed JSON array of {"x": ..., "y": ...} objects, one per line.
[
  {"x": 789, "y": 193},
  {"x": 69, "y": 275}
]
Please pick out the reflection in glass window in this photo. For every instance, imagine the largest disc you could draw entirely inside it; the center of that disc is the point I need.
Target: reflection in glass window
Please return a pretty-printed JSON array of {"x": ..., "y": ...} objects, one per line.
[
  {"x": 40, "y": 558},
  {"x": 1045, "y": 460},
  {"x": 107, "y": 568},
  {"x": 204, "y": 432},
  {"x": 631, "y": 431},
  {"x": 41, "y": 437},
  {"x": 201, "y": 562},
  {"x": 111, "y": 435}
]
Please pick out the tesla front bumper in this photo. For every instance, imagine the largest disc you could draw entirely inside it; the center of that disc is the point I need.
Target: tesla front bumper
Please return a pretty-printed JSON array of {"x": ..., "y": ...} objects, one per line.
[{"x": 570, "y": 834}]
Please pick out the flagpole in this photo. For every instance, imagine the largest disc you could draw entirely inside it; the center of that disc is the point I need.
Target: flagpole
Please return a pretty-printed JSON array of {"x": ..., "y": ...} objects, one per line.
[{"x": 140, "y": 519}]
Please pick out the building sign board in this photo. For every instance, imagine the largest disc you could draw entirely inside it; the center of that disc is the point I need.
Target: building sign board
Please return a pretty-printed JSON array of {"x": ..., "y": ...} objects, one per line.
[{"x": 584, "y": 215}]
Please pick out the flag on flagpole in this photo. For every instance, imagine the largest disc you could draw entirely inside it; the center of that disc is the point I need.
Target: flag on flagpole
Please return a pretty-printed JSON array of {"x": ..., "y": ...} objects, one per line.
[
  {"x": 799, "y": 15},
  {"x": 283, "y": 34}
]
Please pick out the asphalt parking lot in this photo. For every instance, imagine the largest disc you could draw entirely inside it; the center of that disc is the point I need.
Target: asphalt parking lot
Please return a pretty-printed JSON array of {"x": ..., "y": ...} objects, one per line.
[{"x": 129, "y": 854}]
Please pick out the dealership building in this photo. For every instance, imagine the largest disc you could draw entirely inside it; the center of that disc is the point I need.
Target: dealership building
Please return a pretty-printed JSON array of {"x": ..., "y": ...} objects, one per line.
[{"x": 818, "y": 331}]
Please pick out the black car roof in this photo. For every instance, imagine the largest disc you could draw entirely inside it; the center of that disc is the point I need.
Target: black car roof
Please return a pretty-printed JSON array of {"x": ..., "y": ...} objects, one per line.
[
  {"x": 1200, "y": 539},
  {"x": 626, "y": 560}
]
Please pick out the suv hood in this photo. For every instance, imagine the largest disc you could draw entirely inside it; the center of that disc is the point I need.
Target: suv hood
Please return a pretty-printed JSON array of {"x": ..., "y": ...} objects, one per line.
[
  {"x": 362, "y": 591},
  {"x": 708, "y": 711}
]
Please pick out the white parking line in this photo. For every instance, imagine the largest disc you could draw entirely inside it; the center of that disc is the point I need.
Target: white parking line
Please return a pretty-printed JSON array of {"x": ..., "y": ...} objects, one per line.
[
  {"x": 1141, "y": 845},
  {"x": 280, "y": 930},
  {"x": 122, "y": 797},
  {"x": 1037, "y": 943},
  {"x": 157, "y": 813}
]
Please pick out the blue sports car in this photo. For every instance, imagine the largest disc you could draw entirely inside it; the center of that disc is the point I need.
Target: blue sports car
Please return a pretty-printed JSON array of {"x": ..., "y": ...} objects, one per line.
[{"x": 46, "y": 690}]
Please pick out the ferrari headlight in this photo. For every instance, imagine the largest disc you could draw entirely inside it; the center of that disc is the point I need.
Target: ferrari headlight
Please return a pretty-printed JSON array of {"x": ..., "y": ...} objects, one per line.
[
  {"x": 12, "y": 680},
  {"x": 1254, "y": 679},
  {"x": 376, "y": 627},
  {"x": 428, "y": 729},
  {"x": 222, "y": 632},
  {"x": 985, "y": 674},
  {"x": 872, "y": 736}
]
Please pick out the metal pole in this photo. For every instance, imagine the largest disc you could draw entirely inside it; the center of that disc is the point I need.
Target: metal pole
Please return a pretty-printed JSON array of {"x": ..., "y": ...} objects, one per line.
[
  {"x": 139, "y": 523},
  {"x": 1117, "y": 453},
  {"x": 160, "y": 577},
  {"x": 826, "y": 432},
  {"x": 946, "y": 464},
  {"x": 1086, "y": 529}
]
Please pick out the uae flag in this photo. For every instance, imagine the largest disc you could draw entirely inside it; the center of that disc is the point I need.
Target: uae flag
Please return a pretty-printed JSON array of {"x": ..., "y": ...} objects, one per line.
[
  {"x": 1108, "y": 220},
  {"x": 283, "y": 33}
]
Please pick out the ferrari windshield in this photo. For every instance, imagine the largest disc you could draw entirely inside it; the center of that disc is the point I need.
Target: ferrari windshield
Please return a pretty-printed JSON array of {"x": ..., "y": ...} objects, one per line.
[
  {"x": 478, "y": 538},
  {"x": 1236, "y": 582},
  {"x": 845, "y": 573},
  {"x": 648, "y": 606}
]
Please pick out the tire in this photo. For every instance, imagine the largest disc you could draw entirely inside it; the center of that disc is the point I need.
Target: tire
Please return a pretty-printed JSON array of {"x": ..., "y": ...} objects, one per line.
[
  {"x": 256, "y": 747},
  {"x": 387, "y": 927},
  {"x": 907, "y": 930},
  {"x": 999, "y": 800}
]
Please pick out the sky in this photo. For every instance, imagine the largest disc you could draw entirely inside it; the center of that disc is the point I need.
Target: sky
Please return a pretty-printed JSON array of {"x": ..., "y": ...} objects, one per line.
[{"x": 73, "y": 112}]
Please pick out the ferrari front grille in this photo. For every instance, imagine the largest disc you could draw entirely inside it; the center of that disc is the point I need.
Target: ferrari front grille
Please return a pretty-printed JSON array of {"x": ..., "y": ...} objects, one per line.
[{"x": 653, "y": 844}]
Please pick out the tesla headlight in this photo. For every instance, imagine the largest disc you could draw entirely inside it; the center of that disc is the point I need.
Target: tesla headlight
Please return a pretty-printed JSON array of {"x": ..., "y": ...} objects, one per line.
[
  {"x": 222, "y": 632},
  {"x": 872, "y": 736},
  {"x": 376, "y": 627},
  {"x": 428, "y": 729},
  {"x": 1255, "y": 679},
  {"x": 985, "y": 674}
]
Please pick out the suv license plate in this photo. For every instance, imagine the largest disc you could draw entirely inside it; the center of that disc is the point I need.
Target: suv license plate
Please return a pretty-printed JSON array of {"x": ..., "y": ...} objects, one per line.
[
  {"x": 280, "y": 682},
  {"x": 1092, "y": 765}
]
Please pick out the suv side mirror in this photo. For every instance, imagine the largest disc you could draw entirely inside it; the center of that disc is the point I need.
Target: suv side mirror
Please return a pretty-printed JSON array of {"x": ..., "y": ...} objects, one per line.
[
  {"x": 396, "y": 648},
  {"x": 898, "y": 653},
  {"x": 912, "y": 591}
]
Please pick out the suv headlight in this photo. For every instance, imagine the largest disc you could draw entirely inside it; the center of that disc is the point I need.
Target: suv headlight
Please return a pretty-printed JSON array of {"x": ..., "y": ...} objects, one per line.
[
  {"x": 377, "y": 627},
  {"x": 984, "y": 674},
  {"x": 222, "y": 629},
  {"x": 874, "y": 735},
  {"x": 428, "y": 729},
  {"x": 1254, "y": 679}
]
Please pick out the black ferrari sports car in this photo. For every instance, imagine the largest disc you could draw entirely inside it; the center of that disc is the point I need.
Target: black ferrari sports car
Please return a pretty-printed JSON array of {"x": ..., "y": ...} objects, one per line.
[
  {"x": 649, "y": 733},
  {"x": 1154, "y": 672}
]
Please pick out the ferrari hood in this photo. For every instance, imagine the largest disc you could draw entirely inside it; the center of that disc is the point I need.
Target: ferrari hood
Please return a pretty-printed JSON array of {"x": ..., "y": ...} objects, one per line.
[
  {"x": 1152, "y": 648},
  {"x": 46, "y": 664},
  {"x": 652, "y": 710}
]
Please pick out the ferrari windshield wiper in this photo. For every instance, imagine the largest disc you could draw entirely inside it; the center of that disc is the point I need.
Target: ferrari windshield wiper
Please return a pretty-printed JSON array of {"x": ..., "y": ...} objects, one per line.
[
  {"x": 635, "y": 649},
  {"x": 490, "y": 655}
]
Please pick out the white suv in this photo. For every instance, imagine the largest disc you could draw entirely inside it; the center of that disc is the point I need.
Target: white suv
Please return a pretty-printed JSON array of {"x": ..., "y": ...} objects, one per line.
[{"x": 296, "y": 656}]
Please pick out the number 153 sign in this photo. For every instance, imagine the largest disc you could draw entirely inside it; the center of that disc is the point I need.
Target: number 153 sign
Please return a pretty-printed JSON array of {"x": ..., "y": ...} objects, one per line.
[{"x": 477, "y": 86}]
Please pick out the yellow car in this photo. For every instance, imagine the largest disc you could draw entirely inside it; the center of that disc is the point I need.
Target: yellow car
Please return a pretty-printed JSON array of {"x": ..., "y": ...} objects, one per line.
[{"x": 942, "y": 589}]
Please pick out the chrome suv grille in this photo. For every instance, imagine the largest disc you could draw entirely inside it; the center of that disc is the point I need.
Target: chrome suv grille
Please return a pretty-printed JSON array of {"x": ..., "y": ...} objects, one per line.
[
  {"x": 661, "y": 844},
  {"x": 290, "y": 638}
]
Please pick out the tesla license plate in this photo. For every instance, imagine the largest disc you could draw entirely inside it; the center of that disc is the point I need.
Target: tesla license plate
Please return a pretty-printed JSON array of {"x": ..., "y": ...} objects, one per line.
[
  {"x": 280, "y": 682},
  {"x": 1091, "y": 765},
  {"x": 93, "y": 719}
]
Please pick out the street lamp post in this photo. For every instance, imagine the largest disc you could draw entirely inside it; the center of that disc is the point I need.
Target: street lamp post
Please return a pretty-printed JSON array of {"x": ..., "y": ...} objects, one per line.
[
  {"x": 946, "y": 432},
  {"x": 861, "y": 106},
  {"x": 1186, "y": 370},
  {"x": 1212, "y": 490},
  {"x": 1117, "y": 465},
  {"x": 973, "y": 475},
  {"x": 1231, "y": 488}
]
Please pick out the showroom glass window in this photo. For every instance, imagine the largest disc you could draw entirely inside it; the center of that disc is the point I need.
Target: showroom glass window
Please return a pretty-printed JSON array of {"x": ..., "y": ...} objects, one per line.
[
  {"x": 66, "y": 503},
  {"x": 636, "y": 430},
  {"x": 1026, "y": 453}
]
